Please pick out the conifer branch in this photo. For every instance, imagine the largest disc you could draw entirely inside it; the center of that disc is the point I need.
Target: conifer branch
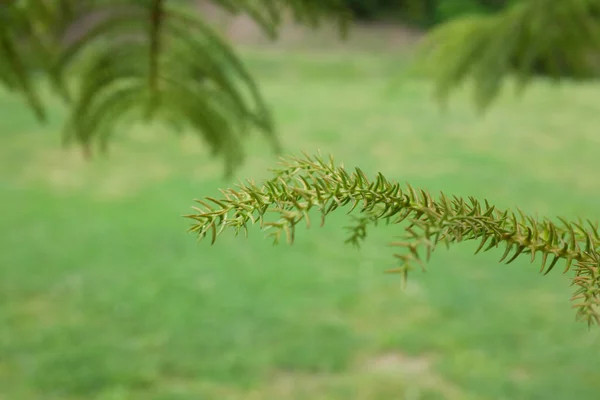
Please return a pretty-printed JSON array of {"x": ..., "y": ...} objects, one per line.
[
  {"x": 556, "y": 37},
  {"x": 312, "y": 183},
  {"x": 116, "y": 59}
]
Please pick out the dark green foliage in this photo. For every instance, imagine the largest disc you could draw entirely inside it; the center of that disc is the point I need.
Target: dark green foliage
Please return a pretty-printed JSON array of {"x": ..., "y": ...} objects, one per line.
[
  {"x": 370, "y": 10},
  {"x": 416, "y": 12},
  {"x": 114, "y": 60},
  {"x": 423, "y": 13},
  {"x": 448, "y": 10}
]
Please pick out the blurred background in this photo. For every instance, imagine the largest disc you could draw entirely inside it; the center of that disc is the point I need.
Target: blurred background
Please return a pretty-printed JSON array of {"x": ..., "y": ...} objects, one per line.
[{"x": 103, "y": 295}]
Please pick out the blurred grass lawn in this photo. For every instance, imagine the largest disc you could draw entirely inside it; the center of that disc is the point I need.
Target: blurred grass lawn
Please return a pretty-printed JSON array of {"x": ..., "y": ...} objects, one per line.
[{"x": 104, "y": 296}]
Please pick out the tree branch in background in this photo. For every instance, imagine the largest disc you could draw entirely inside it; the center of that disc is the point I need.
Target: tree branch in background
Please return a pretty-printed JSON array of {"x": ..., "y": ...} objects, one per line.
[
  {"x": 556, "y": 38},
  {"x": 117, "y": 61}
]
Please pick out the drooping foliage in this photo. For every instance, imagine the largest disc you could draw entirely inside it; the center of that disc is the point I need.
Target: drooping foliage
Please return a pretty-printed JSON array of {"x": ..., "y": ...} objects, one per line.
[
  {"x": 114, "y": 60},
  {"x": 122, "y": 60},
  {"x": 558, "y": 38}
]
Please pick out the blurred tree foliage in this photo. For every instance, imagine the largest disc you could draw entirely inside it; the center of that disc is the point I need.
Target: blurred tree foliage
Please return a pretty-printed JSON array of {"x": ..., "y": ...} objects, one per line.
[
  {"x": 422, "y": 13},
  {"x": 116, "y": 60},
  {"x": 559, "y": 39}
]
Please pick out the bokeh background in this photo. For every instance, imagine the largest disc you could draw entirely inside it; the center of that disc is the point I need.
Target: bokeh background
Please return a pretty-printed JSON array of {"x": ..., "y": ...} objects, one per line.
[{"x": 104, "y": 296}]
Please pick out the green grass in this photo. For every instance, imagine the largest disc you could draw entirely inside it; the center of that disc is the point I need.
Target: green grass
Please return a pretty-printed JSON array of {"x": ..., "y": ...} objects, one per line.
[{"x": 104, "y": 296}]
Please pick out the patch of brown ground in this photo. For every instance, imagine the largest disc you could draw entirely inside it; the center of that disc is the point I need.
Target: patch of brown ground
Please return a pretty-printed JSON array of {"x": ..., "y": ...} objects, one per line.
[{"x": 415, "y": 369}]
